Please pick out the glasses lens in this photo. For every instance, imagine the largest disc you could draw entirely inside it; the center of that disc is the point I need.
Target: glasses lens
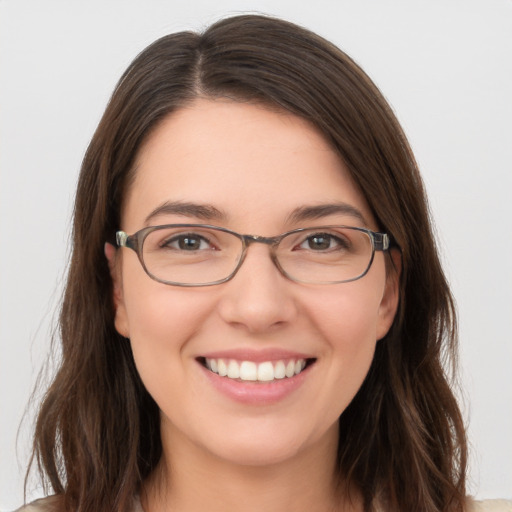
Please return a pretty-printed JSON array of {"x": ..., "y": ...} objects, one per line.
[
  {"x": 325, "y": 255},
  {"x": 190, "y": 254}
]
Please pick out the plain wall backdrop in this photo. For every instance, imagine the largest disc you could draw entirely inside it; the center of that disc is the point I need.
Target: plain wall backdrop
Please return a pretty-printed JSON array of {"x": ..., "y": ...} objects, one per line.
[{"x": 446, "y": 68}]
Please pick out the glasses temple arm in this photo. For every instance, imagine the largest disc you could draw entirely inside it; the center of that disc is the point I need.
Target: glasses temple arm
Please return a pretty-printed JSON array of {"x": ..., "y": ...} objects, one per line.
[{"x": 381, "y": 241}]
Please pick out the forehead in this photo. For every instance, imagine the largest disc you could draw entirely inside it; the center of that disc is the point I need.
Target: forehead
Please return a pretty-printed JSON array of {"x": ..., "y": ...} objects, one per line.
[{"x": 249, "y": 162}]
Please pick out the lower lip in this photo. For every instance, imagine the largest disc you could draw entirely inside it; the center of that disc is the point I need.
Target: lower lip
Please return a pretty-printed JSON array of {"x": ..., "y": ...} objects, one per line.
[{"x": 254, "y": 392}]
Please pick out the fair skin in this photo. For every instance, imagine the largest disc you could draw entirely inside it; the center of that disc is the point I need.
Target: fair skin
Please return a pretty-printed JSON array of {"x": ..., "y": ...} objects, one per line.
[{"x": 266, "y": 451}]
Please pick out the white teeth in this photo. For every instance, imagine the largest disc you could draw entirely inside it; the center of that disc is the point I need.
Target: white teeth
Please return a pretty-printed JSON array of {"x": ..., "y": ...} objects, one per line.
[
  {"x": 222, "y": 368},
  {"x": 233, "y": 370},
  {"x": 279, "y": 370},
  {"x": 250, "y": 371},
  {"x": 265, "y": 371}
]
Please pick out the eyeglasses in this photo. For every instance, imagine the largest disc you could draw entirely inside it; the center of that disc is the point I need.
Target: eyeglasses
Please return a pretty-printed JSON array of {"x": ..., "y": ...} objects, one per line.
[{"x": 203, "y": 255}]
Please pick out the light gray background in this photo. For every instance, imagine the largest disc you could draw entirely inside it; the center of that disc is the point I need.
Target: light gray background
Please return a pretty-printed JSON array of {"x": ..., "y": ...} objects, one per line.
[{"x": 445, "y": 66}]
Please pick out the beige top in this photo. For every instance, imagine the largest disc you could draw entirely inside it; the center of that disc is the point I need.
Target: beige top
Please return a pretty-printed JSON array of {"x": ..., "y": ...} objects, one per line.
[
  {"x": 48, "y": 505},
  {"x": 490, "y": 506}
]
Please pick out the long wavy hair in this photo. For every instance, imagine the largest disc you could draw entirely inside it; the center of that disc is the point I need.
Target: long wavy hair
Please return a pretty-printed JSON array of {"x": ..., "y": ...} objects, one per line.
[{"x": 402, "y": 437}]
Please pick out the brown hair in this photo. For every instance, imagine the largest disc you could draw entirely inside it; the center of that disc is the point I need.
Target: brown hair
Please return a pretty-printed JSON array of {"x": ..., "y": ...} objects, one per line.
[{"x": 402, "y": 437}]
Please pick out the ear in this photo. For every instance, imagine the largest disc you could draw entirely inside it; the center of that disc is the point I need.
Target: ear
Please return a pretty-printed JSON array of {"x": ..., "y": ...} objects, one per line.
[
  {"x": 114, "y": 264},
  {"x": 389, "y": 303}
]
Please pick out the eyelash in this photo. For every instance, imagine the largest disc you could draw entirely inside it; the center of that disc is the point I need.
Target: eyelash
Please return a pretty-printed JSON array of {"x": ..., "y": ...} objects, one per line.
[
  {"x": 176, "y": 239},
  {"x": 341, "y": 243}
]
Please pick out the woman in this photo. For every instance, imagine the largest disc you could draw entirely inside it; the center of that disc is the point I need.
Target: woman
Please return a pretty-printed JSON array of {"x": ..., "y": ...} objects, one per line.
[{"x": 255, "y": 312}]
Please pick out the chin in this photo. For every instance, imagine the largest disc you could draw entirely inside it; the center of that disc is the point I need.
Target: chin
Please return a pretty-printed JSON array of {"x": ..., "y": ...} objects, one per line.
[
  {"x": 271, "y": 446},
  {"x": 259, "y": 454}
]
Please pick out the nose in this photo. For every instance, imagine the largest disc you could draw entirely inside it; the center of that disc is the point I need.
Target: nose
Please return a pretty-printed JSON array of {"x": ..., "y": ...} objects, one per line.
[{"x": 258, "y": 298}]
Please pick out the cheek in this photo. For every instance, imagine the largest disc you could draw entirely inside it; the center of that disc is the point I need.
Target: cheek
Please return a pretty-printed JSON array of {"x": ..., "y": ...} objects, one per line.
[
  {"x": 347, "y": 321},
  {"x": 157, "y": 312},
  {"x": 348, "y": 317},
  {"x": 162, "y": 320}
]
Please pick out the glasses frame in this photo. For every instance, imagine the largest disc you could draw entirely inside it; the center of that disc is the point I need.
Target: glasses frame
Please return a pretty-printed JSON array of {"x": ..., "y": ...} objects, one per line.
[{"x": 379, "y": 241}]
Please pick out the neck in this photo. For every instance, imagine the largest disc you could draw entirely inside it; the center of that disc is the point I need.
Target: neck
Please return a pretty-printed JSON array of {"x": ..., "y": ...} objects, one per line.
[{"x": 188, "y": 479}]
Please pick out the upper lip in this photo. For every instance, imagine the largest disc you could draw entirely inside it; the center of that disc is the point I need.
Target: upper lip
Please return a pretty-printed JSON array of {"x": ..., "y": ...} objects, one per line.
[{"x": 257, "y": 356}]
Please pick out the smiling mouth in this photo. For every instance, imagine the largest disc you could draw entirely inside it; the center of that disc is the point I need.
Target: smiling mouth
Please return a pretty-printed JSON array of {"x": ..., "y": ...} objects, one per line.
[{"x": 266, "y": 371}]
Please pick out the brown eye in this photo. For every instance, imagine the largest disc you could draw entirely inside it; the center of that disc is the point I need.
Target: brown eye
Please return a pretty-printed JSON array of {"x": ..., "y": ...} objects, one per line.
[
  {"x": 323, "y": 242},
  {"x": 187, "y": 242},
  {"x": 319, "y": 242}
]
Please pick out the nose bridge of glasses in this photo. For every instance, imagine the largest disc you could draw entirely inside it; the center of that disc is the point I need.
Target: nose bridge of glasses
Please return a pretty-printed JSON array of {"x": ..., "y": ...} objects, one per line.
[
  {"x": 271, "y": 241},
  {"x": 267, "y": 240}
]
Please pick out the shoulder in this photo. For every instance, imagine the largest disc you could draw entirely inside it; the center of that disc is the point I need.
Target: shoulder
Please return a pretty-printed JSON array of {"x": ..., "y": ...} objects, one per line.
[
  {"x": 48, "y": 504},
  {"x": 490, "y": 506}
]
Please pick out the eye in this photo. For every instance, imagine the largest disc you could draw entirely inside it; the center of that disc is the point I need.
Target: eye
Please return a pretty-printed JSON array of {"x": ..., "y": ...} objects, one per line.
[
  {"x": 324, "y": 242},
  {"x": 187, "y": 242}
]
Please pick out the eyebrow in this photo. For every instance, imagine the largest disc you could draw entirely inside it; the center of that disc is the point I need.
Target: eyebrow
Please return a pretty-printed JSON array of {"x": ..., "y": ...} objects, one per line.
[
  {"x": 209, "y": 212},
  {"x": 187, "y": 209},
  {"x": 315, "y": 212}
]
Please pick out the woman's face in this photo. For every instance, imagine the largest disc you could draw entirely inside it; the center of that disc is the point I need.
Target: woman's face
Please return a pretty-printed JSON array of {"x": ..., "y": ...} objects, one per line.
[{"x": 254, "y": 171}]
